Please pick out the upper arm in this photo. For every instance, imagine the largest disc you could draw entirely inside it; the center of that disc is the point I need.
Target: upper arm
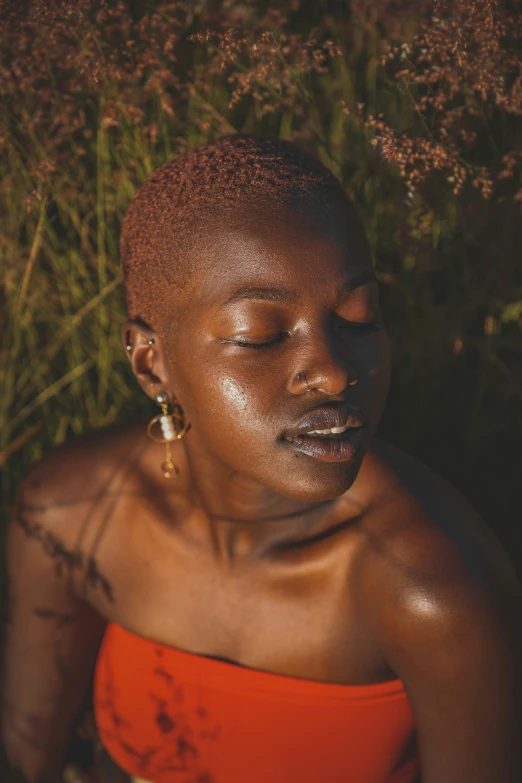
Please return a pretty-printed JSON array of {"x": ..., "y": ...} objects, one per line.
[
  {"x": 461, "y": 670},
  {"x": 453, "y": 636},
  {"x": 50, "y": 640}
]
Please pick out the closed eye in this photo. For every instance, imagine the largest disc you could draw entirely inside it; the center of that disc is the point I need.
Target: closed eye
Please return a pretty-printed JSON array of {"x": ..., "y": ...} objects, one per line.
[
  {"x": 352, "y": 325},
  {"x": 267, "y": 344}
]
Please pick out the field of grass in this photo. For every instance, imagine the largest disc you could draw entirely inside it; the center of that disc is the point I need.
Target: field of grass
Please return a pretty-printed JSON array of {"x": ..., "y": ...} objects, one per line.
[{"x": 415, "y": 108}]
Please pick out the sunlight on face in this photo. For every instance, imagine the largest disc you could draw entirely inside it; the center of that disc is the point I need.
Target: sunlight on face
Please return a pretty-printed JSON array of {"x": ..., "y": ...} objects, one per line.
[{"x": 270, "y": 300}]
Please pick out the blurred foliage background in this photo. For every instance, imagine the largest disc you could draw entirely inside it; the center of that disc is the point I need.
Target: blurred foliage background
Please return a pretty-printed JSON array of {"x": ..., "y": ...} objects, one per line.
[{"x": 416, "y": 106}]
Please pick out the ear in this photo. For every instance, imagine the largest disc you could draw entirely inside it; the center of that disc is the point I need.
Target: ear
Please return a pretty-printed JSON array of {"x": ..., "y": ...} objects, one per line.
[{"x": 146, "y": 357}]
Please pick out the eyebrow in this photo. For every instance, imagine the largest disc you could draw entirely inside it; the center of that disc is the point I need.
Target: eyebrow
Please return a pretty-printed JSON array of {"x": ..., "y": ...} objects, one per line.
[{"x": 287, "y": 295}]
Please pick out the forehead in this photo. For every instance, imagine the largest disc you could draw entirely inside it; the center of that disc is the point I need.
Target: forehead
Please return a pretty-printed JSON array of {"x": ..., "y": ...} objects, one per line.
[{"x": 302, "y": 251}]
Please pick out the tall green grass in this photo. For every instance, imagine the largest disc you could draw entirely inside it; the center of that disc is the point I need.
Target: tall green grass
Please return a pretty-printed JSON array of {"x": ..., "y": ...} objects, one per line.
[{"x": 76, "y": 145}]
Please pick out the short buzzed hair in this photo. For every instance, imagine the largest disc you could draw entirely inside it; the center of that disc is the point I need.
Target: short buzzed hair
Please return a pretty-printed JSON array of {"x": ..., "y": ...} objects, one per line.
[{"x": 192, "y": 191}]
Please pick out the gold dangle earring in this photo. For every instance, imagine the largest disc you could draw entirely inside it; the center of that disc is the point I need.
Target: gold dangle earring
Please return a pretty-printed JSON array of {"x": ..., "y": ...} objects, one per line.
[{"x": 172, "y": 427}]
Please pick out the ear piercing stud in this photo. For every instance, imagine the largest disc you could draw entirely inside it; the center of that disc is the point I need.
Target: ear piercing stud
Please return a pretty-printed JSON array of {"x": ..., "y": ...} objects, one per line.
[{"x": 129, "y": 346}]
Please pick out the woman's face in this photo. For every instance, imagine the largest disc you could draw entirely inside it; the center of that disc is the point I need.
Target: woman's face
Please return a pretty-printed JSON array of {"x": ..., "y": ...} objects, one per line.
[{"x": 281, "y": 324}]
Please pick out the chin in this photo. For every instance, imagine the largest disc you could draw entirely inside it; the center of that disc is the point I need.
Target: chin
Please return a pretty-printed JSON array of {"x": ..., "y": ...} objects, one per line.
[{"x": 319, "y": 482}]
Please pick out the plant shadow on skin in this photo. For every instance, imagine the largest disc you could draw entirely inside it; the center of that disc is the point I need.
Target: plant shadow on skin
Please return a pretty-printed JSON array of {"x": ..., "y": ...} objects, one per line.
[
  {"x": 31, "y": 519},
  {"x": 67, "y": 560}
]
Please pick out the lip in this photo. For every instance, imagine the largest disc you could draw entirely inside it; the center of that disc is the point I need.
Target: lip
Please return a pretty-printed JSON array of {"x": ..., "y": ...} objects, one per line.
[
  {"x": 326, "y": 419},
  {"x": 341, "y": 448}
]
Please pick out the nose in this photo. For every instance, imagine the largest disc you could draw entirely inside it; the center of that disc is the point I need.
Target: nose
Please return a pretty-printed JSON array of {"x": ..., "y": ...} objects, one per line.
[{"x": 320, "y": 366}]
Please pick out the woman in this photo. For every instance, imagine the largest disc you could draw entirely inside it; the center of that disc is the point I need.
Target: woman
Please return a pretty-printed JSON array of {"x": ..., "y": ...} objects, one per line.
[{"x": 263, "y": 589}]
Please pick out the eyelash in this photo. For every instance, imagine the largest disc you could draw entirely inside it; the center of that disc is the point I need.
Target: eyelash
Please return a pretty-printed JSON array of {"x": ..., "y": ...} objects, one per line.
[
  {"x": 370, "y": 327},
  {"x": 243, "y": 344}
]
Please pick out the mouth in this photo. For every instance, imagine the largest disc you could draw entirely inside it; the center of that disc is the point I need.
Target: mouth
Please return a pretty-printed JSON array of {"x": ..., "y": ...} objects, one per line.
[
  {"x": 328, "y": 433},
  {"x": 332, "y": 447},
  {"x": 338, "y": 442}
]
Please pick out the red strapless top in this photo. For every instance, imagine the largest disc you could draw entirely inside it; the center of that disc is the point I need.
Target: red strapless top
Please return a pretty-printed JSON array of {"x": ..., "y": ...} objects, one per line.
[{"x": 175, "y": 717}]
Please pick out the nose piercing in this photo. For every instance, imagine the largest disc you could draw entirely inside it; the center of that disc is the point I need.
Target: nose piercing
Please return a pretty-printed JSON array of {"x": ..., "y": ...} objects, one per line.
[{"x": 302, "y": 375}]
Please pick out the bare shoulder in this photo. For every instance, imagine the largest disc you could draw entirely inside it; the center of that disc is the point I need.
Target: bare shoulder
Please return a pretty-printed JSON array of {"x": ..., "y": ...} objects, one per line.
[
  {"x": 65, "y": 500},
  {"x": 52, "y": 630},
  {"x": 427, "y": 530},
  {"x": 82, "y": 466},
  {"x": 434, "y": 574},
  {"x": 444, "y": 605}
]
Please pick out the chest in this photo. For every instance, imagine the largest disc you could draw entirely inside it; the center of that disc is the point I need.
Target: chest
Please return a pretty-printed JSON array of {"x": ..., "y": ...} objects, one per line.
[{"x": 294, "y": 614}]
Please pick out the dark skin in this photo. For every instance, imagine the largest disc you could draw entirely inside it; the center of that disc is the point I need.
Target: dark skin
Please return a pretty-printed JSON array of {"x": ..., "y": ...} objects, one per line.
[{"x": 350, "y": 572}]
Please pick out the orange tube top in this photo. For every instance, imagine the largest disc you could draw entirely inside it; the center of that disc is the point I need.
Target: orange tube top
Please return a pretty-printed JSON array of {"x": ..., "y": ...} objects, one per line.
[{"x": 176, "y": 717}]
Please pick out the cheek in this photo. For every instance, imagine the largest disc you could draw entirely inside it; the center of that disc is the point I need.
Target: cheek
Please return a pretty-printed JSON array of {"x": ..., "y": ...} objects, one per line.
[
  {"x": 377, "y": 367},
  {"x": 246, "y": 400},
  {"x": 233, "y": 393},
  {"x": 234, "y": 403},
  {"x": 371, "y": 360},
  {"x": 368, "y": 353}
]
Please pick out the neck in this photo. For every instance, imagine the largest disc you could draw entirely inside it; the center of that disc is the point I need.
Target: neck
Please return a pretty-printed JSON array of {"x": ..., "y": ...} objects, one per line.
[{"x": 242, "y": 519}]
